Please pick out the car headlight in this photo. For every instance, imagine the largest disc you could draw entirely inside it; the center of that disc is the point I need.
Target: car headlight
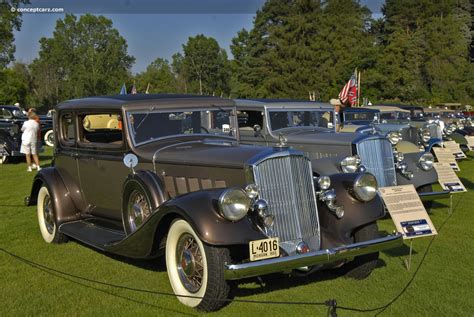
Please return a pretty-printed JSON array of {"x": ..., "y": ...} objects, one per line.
[
  {"x": 394, "y": 137},
  {"x": 460, "y": 126},
  {"x": 365, "y": 187},
  {"x": 252, "y": 191},
  {"x": 426, "y": 161},
  {"x": 324, "y": 182},
  {"x": 350, "y": 164},
  {"x": 425, "y": 135},
  {"x": 234, "y": 204},
  {"x": 399, "y": 156}
]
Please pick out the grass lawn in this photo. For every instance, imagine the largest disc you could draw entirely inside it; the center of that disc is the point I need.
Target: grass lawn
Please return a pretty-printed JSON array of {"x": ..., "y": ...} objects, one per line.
[{"x": 443, "y": 285}]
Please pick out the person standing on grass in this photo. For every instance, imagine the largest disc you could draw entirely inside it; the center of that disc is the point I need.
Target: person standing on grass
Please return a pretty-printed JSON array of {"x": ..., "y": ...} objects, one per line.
[{"x": 29, "y": 140}]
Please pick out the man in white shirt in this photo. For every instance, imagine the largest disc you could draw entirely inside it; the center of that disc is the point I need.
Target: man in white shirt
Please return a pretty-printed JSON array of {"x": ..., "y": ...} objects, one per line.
[{"x": 29, "y": 140}]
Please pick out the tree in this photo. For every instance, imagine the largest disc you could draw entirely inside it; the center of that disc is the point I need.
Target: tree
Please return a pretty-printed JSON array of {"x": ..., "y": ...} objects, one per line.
[
  {"x": 297, "y": 46},
  {"x": 15, "y": 85},
  {"x": 85, "y": 56},
  {"x": 10, "y": 21},
  {"x": 159, "y": 76},
  {"x": 205, "y": 65}
]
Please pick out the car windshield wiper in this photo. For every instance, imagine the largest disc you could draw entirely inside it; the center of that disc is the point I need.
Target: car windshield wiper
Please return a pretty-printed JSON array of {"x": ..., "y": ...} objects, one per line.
[{"x": 141, "y": 121}]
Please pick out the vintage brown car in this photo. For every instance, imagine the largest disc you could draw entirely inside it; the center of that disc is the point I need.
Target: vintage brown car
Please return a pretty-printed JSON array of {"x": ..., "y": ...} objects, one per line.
[{"x": 168, "y": 178}]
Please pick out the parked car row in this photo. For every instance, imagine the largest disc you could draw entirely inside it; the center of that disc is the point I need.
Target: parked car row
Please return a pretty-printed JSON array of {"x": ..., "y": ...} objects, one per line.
[
  {"x": 222, "y": 189},
  {"x": 11, "y": 121}
]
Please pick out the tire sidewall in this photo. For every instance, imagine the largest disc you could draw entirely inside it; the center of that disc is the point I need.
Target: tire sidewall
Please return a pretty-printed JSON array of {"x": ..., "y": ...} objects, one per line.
[
  {"x": 48, "y": 237},
  {"x": 177, "y": 229},
  {"x": 46, "y": 138}
]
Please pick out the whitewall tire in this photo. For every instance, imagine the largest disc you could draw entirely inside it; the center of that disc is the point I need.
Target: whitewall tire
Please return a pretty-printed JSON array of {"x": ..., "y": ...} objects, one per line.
[
  {"x": 195, "y": 269},
  {"x": 49, "y": 138},
  {"x": 47, "y": 218}
]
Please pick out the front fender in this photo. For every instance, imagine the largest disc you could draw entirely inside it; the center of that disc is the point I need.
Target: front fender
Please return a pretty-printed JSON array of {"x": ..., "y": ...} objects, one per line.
[
  {"x": 199, "y": 209},
  {"x": 407, "y": 147},
  {"x": 433, "y": 142},
  {"x": 326, "y": 166},
  {"x": 420, "y": 177},
  {"x": 63, "y": 205},
  {"x": 458, "y": 138},
  {"x": 336, "y": 231}
]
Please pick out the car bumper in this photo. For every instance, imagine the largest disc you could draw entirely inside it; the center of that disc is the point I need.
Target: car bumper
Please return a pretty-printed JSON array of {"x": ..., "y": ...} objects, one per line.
[
  {"x": 434, "y": 195},
  {"x": 239, "y": 271}
]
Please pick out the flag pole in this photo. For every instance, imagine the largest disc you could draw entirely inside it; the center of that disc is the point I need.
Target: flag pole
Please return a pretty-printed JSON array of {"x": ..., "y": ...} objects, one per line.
[{"x": 358, "y": 90}]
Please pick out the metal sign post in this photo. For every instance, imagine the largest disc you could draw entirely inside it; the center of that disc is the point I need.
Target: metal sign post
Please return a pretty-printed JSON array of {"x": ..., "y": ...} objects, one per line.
[{"x": 408, "y": 261}]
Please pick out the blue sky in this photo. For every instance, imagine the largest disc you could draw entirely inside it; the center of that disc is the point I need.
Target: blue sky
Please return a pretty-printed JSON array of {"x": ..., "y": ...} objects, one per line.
[{"x": 149, "y": 32}]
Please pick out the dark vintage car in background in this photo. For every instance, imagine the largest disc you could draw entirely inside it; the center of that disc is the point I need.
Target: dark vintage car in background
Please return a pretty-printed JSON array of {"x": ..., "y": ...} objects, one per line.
[
  {"x": 13, "y": 114},
  {"x": 310, "y": 127},
  {"x": 168, "y": 178},
  {"x": 405, "y": 134}
]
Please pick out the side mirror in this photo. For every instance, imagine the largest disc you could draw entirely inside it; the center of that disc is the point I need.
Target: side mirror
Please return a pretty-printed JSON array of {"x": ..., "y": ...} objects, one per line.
[{"x": 258, "y": 129}]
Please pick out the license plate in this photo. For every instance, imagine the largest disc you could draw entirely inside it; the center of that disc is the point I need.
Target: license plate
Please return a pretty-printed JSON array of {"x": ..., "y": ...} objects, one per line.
[{"x": 264, "y": 249}]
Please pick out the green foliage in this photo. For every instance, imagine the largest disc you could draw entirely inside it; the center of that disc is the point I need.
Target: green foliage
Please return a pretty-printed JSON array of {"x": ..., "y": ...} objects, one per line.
[
  {"x": 204, "y": 66},
  {"x": 85, "y": 57},
  {"x": 15, "y": 85},
  {"x": 9, "y": 22},
  {"x": 297, "y": 46},
  {"x": 158, "y": 77}
]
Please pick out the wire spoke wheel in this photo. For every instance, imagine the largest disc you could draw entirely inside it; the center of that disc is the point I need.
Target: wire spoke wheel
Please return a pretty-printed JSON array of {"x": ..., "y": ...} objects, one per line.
[
  {"x": 138, "y": 210},
  {"x": 189, "y": 262},
  {"x": 48, "y": 214}
]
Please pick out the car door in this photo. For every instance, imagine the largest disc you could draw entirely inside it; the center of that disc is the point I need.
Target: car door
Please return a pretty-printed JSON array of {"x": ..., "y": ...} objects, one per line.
[
  {"x": 248, "y": 120},
  {"x": 101, "y": 147}
]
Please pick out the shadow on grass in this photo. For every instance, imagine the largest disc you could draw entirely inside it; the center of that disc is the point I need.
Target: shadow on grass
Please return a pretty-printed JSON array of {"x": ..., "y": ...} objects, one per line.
[{"x": 467, "y": 183}]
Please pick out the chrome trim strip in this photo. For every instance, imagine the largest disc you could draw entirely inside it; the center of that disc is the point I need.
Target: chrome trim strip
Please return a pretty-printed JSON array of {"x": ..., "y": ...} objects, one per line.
[{"x": 239, "y": 271}]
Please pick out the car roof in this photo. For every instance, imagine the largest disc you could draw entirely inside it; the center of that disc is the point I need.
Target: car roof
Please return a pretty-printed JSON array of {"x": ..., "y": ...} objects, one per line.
[
  {"x": 360, "y": 109},
  {"x": 145, "y": 101},
  {"x": 386, "y": 108},
  {"x": 430, "y": 110},
  {"x": 10, "y": 107},
  {"x": 286, "y": 103}
]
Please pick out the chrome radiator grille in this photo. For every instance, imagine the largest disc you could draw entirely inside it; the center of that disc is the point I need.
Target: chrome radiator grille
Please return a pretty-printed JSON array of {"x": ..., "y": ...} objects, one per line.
[
  {"x": 286, "y": 183},
  {"x": 377, "y": 156},
  {"x": 435, "y": 131}
]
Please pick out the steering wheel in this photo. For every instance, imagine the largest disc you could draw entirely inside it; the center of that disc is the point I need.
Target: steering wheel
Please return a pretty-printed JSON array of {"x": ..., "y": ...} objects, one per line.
[{"x": 205, "y": 130}]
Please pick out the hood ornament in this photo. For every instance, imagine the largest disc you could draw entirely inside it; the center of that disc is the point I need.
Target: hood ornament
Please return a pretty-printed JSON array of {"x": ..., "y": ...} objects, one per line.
[{"x": 282, "y": 141}]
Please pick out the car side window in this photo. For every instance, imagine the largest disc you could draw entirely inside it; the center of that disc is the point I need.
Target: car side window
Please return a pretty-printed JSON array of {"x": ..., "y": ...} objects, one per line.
[
  {"x": 100, "y": 130},
  {"x": 248, "y": 119},
  {"x": 67, "y": 129}
]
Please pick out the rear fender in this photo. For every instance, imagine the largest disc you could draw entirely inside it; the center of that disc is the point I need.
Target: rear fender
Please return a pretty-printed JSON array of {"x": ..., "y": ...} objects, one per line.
[
  {"x": 63, "y": 205},
  {"x": 336, "y": 231}
]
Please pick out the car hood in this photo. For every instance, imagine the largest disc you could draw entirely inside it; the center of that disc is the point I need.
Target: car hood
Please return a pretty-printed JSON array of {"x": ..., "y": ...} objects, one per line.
[
  {"x": 211, "y": 152},
  {"x": 330, "y": 137}
]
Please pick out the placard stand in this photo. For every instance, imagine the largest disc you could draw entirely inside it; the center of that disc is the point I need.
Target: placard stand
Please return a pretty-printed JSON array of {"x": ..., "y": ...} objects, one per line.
[
  {"x": 450, "y": 210},
  {"x": 408, "y": 261}
]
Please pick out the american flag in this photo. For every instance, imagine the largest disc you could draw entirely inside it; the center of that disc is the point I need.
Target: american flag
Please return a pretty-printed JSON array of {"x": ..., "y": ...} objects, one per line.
[{"x": 348, "y": 94}]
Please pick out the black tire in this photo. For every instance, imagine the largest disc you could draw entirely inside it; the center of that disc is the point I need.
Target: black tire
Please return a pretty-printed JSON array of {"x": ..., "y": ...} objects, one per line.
[
  {"x": 212, "y": 289},
  {"x": 47, "y": 218},
  {"x": 137, "y": 206},
  {"x": 362, "y": 266},
  {"x": 426, "y": 189}
]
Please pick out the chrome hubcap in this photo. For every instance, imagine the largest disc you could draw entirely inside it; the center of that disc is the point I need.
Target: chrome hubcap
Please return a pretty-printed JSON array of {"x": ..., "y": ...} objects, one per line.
[
  {"x": 138, "y": 210},
  {"x": 48, "y": 215},
  {"x": 190, "y": 263}
]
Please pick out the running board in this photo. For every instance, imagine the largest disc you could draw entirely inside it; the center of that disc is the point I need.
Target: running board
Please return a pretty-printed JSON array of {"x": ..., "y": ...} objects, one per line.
[{"x": 92, "y": 234}]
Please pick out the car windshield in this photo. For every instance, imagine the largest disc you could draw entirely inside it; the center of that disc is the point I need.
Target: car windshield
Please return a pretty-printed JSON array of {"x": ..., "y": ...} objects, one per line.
[
  {"x": 283, "y": 118},
  {"x": 360, "y": 116},
  {"x": 395, "y": 115},
  {"x": 147, "y": 126}
]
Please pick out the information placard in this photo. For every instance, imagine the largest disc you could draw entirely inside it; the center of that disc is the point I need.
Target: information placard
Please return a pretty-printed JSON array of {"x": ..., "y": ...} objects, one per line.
[
  {"x": 455, "y": 149},
  {"x": 448, "y": 179},
  {"x": 470, "y": 142},
  {"x": 446, "y": 156},
  {"x": 407, "y": 211}
]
